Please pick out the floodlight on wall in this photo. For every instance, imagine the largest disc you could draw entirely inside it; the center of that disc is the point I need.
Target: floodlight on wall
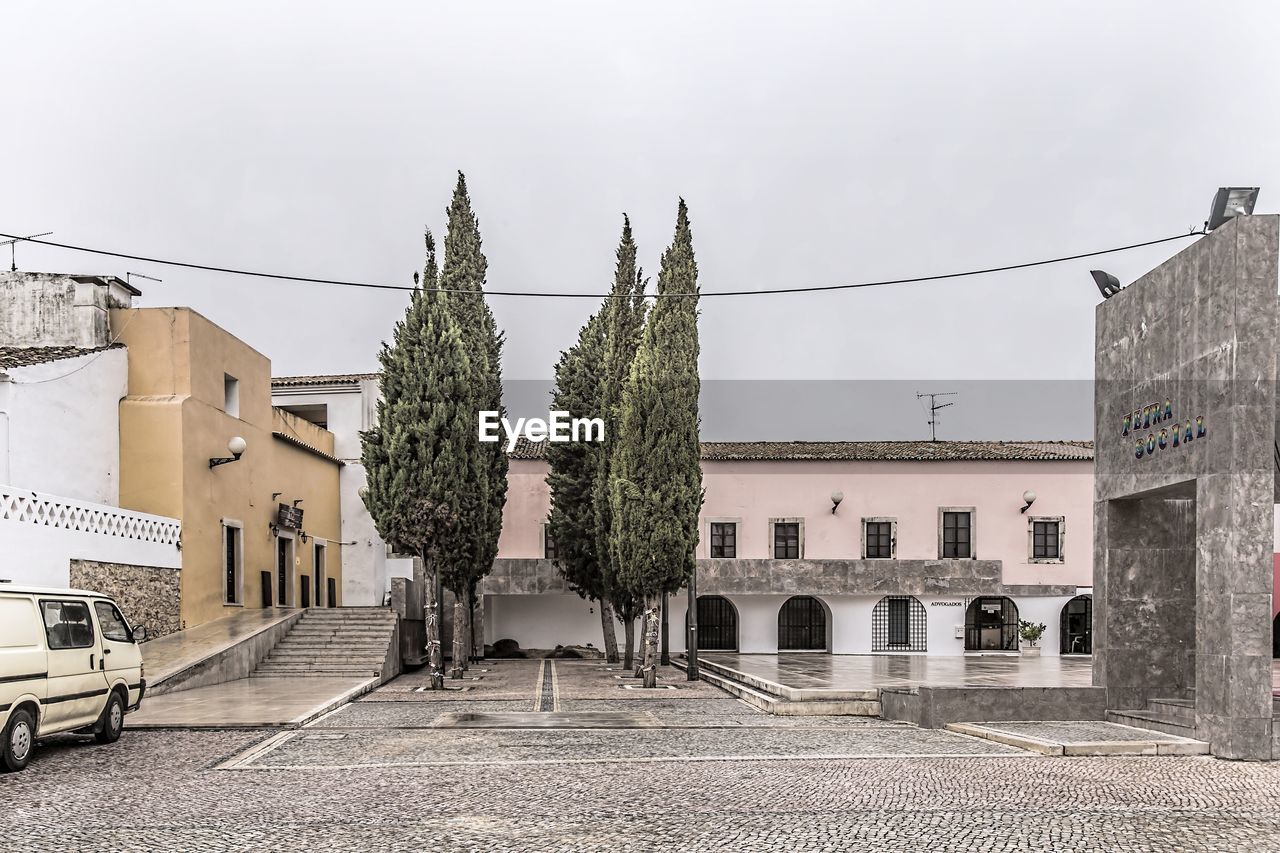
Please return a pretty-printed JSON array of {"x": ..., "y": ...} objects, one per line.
[
  {"x": 836, "y": 497},
  {"x": 1230, "y": 202},
  {"x": 236, "y": 447},
  {"x": 1108, "y": 284},
  {"x": 1028, "y": 498}
]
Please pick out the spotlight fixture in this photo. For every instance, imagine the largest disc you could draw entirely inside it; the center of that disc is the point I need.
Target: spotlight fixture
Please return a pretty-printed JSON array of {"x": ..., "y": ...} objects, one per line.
[
  {"x": 1028, "y": 497},
  {"x": 1230, "y": 202},
  {"x": 1107, "y": 283},
  {"x": 836, "y": 497},
  {"x": 236, "y": 447}
]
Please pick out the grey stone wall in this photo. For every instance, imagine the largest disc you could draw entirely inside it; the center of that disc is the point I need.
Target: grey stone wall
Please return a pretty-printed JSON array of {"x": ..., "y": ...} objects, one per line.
[
  {"x": 147, "y": 595},
  {"x": 1196, "y": 338},
  {"x": 799, "y": 577}
]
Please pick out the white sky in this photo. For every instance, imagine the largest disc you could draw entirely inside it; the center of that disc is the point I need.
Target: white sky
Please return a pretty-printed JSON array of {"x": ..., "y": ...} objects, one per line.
[{"x": 815, "y": 143}]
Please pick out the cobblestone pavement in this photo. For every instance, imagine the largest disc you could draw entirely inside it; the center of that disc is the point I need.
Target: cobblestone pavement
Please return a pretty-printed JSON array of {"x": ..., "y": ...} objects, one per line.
[{"x": 162, "y": 790}]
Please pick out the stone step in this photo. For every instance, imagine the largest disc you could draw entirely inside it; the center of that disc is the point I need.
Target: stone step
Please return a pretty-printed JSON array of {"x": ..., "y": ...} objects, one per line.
[
  {"x": 320, "y": 666},
  {"x": 1179, "y": 710},
  {"x": 310, "y": 659},
  {"x": 337, "y": 645},
  {"x": 1153, "y": 722},
  {"x": 781, "y": 707},
  {"x": 381, "y": 636}
]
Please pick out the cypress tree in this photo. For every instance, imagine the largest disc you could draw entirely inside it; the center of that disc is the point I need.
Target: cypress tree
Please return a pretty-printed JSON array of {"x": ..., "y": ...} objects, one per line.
[
  {"x": 572, "y": 472},
  {"x": 655, "y": 486},
  {"x": 415, "y": 457},
  {"x": 463, "y": 276},
  {"x": 623, "y": 314}
]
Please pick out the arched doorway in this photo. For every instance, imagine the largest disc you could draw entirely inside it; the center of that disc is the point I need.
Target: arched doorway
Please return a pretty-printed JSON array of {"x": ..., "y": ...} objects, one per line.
[
  {"x": 717, "y": 624},
  {"x": 991, "y": 625},
  {"x": 1275, "y": 636},
  {"x": 802, "y": 625},
  {"x": 1076, "y": 630},
  {"x": 899, "y": 624}
]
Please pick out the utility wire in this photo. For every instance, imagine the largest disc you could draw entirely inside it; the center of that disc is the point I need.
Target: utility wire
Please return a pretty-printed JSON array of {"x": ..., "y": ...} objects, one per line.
[{"x": 563, "y": 295}]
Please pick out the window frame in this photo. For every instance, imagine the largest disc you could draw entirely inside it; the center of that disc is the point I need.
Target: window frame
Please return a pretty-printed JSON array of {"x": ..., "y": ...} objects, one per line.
[
  {"x": 237, "y": 525},
  {"x": 552, "y": 553},
  {"x": 893, "y": 537},
  {"x": 973, "y": 531},
  {"x": 1059, "y": 520},
  {"x": 89, "y": 620},
  {"x": 773, "y": 541},
  {"x": 737, "y": 528},
  {"x": 102, "y": 628}
]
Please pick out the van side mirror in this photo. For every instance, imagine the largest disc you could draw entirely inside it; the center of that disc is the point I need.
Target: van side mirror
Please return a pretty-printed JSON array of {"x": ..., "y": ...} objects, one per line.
[{"x": 140, "y": 633}]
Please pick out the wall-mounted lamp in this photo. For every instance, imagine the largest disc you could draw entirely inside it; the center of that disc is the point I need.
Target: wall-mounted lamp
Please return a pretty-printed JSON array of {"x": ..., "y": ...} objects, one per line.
[
  {"x": 836, "y": 497},
  {"x": 303, "y": 536},
  {"x": 236, "y": 447},
  {"x": 1028, "y": 497},
  {"x": 1108, "y": 284}
]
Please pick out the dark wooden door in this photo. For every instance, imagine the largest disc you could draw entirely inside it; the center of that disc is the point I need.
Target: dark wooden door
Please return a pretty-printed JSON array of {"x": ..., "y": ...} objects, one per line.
[
  {"x": 717, "y": 624},
  {"x": 802, "y": 625}
]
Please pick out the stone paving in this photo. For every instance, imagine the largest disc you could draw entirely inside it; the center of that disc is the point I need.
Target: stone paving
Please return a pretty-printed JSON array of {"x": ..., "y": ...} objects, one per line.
[{"x": 618, "y": 789}]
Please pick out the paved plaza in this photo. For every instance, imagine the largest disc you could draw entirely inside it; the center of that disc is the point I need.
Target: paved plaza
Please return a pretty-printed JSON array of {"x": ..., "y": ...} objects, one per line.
[{"x": 615, "y": 769}]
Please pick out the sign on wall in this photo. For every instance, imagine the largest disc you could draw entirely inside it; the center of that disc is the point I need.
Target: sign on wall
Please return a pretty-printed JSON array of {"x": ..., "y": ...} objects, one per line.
[
  {"x": 1162, "y": 431},
  {"x": 289, "y": 517}
]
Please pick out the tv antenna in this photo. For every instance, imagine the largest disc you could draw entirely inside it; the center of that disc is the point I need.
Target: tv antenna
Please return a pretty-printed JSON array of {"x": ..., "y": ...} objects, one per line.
[
  {"x": 934, "y": 407},
  {"x": 130, "y": 276},
  {"x": 12, "y": 244}
]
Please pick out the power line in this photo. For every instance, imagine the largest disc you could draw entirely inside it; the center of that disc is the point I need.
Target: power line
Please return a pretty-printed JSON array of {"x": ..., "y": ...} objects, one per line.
[{"x": 562, "y": 295}]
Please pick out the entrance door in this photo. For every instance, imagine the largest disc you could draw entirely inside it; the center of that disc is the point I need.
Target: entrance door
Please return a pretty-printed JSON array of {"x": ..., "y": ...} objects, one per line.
[
  {"x": 318, "y": 568},
  {"x": 991, "y": 625},
  {"x": 305, "y": 597},
  {"x": 77, "y": 687},
  {"x": 802, "y": 625},
  {"x": 717, "y": 624},
  {"x": 283, "y": 558},
  {"x": 1077, "y": 626}
]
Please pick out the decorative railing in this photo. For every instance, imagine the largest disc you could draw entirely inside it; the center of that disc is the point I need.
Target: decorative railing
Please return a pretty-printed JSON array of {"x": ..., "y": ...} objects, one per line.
[{"x": 24, "y": 505}]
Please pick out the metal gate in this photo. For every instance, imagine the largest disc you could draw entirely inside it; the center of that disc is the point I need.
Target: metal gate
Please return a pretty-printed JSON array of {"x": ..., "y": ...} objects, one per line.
[
  {"x": 991, "y": 625},
  {"x": 717, "y": 624},
  {"x": 1077, "y": 626},
  {"x": 802, "y": 625}
]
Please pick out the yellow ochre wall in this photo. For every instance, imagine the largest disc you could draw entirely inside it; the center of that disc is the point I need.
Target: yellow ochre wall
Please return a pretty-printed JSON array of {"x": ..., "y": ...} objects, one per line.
[{"x": 173, "y": 421}]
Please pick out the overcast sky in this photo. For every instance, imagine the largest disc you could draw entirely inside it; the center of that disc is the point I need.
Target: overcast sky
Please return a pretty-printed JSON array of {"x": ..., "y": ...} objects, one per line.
[{"x": 815, "y": 143}]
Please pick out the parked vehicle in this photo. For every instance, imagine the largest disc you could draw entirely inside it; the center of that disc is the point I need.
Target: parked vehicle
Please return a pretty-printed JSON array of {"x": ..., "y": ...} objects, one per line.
[{"x": 69, "y": 662}]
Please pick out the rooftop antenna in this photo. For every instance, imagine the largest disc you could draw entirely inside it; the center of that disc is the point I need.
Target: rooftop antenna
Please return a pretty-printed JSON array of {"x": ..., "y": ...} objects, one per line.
[
  {"x": 13, "y": 255},
  {"x": 934, "y": 406},
  {"x": 130, "y": 276}
]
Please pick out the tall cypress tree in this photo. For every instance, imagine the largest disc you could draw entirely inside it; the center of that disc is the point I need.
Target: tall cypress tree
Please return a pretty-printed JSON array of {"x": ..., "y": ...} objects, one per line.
[
  {"x": 656, "y": 478},
  {"x": 623, "y": 315},
  {"x": 416, "y": 457},
  {"x": 572, "y": 468},
  {"x": 463, "y": 276}
]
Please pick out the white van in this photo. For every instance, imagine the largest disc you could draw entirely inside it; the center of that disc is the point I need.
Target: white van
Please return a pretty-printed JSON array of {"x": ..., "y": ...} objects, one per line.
[{"x": 69, "y": 662}]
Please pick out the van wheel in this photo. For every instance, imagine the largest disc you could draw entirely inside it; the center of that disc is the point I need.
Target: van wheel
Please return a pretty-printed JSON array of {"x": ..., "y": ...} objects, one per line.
[
  {"x": 112, "y": 722},
  {"x": 19, "y": 741}
]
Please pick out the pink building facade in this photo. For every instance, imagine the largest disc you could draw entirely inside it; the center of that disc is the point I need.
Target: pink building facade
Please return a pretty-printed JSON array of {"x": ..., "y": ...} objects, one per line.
[{"x": 930, "y": 549}]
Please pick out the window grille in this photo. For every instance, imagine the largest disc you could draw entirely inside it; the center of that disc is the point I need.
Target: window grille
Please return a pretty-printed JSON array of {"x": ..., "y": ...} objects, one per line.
[{"x": 899, "y": 623}]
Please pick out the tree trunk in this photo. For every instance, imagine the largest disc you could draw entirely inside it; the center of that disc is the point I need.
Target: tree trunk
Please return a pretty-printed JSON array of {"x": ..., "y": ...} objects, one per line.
[
  {"x": 435, "y": 654},
  {"x": 466, "y": 635},
  {"x": 644, "y": 625},
  {"x": 651, "y": 647},
  {"x": 459, "y": 641},
  {"x": 610, "y": 633},
  {"x": 629, "y": 637}
]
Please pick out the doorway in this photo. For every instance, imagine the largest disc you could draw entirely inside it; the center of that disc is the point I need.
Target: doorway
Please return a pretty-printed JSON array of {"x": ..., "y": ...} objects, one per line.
[
  {"x": 717, "y": 624},
  {"x": 991, "y": 625},
  {"x": 1077, "y": 626},
  {"x": 802, "y": 625}
]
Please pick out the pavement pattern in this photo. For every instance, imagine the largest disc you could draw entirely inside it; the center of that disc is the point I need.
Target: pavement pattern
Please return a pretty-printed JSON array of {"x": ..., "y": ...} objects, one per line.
[{"x": 383, "y": 774}]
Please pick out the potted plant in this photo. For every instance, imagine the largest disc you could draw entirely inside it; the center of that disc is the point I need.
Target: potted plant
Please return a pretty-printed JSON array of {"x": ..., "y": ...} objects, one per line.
[{"x": 1031, "y": 632}]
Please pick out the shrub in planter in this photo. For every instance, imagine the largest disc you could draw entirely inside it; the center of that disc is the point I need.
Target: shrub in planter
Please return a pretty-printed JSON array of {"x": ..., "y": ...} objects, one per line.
[{"x": 1031, "y": 632}]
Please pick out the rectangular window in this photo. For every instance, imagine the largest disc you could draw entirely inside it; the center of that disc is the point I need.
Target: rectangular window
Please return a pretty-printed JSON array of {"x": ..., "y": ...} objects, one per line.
[
  {"x": 956, "y": 535},
  {"x": 66, "y": 624},
  {"x": 724, "y": 539},
  {"x": 786, "y": 540},
  {"x": 231, "y": 562},
  {"x": 899, "y": 628},
  {"x": 1046, "y": 539},
  {"x": 231, "y": 395},
  {"x": 549, "y": 549},
  {"x": 878, "y": 539}
]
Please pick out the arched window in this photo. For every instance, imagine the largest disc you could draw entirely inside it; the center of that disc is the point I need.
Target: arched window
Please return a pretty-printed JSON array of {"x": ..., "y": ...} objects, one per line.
[
  {"x": 802, "y": 625},
  {"x": 717, "y": 624},
  {"x": 991, "y": 625},
  {"x": 899, "y": 624},
  {"x": 1077, "y": 626}
]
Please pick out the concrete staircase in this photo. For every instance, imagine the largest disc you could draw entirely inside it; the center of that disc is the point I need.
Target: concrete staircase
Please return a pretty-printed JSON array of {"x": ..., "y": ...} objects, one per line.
[
  {"x": 335, "y": 642},
  {"x": 1171, "y": 716}
]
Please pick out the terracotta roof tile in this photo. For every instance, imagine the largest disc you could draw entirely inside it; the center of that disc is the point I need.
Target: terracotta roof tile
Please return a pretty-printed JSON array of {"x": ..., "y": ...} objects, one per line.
[
  {"x": 874, "y": 451},
  {"x": 11, "y": 357},
  {"x": 321, "y": 379}
]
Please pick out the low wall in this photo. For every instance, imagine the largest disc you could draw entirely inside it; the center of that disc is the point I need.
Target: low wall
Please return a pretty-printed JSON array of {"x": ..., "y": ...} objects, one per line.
[
  {"x": 228, "y": 664},
  {"x": 934, "y": 707},
  {"x": 148, "y": 595}
]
